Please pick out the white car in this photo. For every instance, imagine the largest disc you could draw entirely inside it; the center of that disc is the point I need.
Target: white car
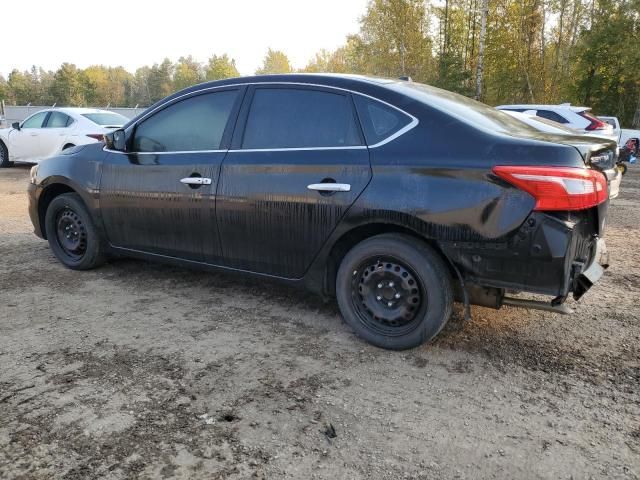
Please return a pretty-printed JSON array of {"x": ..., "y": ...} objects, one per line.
[
  {"x": 542, "y": 124},
  {"x": 615, "y": 124},
  {"x": 549, "y": 126},
  {"x": 50, "y": 131},
  {"x": 578, "y": 118}
]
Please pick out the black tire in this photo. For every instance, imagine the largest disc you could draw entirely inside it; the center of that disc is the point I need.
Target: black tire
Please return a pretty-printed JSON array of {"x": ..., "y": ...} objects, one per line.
[
  {"x": 4, "y": 156},
  {"x": 416, "y": 297},
  {"x": 71, "y": 233},
  {"x": 67, "y": 146}
]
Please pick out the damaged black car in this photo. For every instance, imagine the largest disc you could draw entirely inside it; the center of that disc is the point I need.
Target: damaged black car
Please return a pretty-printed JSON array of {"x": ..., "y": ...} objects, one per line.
[{"x": 395, "y": 197}]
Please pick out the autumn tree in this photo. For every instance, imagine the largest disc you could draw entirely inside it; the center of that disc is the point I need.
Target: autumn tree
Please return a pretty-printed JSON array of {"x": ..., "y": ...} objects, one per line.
[
  {"x": 275, "y": 62},
  {"x": 221, "y": 67},
  {"x": 187, "y": 72}
]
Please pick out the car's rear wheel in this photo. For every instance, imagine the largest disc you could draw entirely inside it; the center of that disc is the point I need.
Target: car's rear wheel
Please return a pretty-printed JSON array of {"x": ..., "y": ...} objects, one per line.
[
  {"x": 4, "y": 156},
  {"x": 71, "y": 233},
  {"x": 394, "y": 291}
]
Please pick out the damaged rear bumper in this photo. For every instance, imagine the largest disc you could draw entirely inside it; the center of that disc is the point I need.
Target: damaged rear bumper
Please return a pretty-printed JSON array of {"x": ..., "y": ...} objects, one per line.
[
  {"x": 553, "y": 254},
  {"x": 587, "y": 278}
]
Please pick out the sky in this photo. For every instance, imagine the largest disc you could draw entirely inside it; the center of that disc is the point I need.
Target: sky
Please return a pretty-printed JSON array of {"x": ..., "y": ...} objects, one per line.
[{"x": 133, "y": 33}]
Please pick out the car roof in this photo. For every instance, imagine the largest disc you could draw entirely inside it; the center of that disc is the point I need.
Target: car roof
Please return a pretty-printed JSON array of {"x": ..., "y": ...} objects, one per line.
[{"x": 562, "y": 106}]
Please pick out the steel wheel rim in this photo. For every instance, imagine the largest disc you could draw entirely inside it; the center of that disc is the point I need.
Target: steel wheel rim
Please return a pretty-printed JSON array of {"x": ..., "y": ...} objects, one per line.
[
  {"x": 71, "y": 233},
  {"x": 388, "y": 296}
]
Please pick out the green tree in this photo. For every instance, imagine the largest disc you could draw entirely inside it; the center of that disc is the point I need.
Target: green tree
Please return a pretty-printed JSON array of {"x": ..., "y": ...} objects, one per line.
[
  {"x": 69, "y": 86},
  {"x": 606, "y": 68},
  {"x": 20, "y": 88},
  {"x": 275, "y": 62},
  {"x": 221, "y": 67},
  {"x": 187, "y": 72},
  {"x": 160, "y": 80},
  {"x": 394, "y": 41}
]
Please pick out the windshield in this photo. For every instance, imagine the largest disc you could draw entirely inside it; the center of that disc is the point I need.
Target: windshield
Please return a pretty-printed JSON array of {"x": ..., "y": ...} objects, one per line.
[
  {"x": 107, "y": 118},
  {"x": 466, "y": 109}
]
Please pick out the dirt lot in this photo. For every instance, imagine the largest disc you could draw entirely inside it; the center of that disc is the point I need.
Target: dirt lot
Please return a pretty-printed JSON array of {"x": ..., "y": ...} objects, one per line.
[{"x": 140, "y": 370}]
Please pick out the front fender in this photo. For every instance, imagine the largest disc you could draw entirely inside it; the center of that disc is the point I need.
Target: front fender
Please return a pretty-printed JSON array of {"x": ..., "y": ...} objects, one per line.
[{"x": 77, "y": 169}]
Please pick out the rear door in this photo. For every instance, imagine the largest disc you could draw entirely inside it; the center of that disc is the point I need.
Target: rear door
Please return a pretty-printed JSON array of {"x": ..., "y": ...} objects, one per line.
[
  {"x": 160, "y": 198},
  {"x": 298, "y": 162},
  {"x": 54, "y": 133}
]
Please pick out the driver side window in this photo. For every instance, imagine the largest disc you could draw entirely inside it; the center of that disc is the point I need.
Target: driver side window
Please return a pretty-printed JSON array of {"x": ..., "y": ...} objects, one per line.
[
  {"x": 194, "y": 124},
  {"x": 35, "y": 121}
]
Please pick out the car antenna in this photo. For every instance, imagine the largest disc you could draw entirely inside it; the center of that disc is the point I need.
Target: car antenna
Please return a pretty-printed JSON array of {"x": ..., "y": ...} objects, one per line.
[{"x": 406, "y": 78}]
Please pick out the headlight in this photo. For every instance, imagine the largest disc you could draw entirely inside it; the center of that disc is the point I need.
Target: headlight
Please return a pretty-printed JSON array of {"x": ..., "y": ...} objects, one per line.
[{"x": 33, "y": 174}]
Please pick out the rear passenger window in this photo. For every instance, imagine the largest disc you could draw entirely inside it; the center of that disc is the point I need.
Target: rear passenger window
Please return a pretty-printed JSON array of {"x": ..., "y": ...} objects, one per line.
[
  {"x": 196, "y": 123},
  {"x": 379, "y": 121},
  {"x": 300, "y": 118},
  {"x": 58, "y": 120},
  {"x": 549, "y": 115}
]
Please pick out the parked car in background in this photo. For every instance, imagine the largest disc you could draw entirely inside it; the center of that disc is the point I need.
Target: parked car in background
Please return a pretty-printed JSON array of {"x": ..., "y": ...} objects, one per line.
[
  {"x": 579, "y": 118},
  {"x": 549, "y": 126},
  {"x": 351, "y": 186},
  {"x": 50, "y": 131},
  {"x": 615, "y": 124},
  {"x": 543, "y": 124}
]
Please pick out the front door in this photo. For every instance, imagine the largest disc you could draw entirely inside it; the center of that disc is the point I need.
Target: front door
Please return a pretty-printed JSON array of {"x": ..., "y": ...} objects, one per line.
[
  {"x": 160, "y": 198},
  {"x": 298, "y": 163},
  {"x": 25, "y": 145}
]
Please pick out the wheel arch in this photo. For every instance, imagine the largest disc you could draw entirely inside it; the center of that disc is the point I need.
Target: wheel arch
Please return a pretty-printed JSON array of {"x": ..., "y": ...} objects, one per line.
[
  {"x": 347, "y": 240},
  {"x": 54, "y": 188}
]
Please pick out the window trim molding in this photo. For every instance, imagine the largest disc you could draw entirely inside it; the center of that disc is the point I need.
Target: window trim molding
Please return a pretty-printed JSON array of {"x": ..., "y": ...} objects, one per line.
[{"x": 411, "y": 125}]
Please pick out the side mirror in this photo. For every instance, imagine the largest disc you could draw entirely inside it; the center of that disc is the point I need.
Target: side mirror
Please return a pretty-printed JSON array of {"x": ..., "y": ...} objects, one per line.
[
  {"x": 116, "y": 140},
  {"x": 16, "y": 125}
]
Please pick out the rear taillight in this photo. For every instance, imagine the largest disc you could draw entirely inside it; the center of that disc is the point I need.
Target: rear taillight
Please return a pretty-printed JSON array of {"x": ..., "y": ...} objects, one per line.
[
  {"x": 96, "y": 136},
  {"x": 596, "y": 123},
  {"x": 557, "y": 188}
]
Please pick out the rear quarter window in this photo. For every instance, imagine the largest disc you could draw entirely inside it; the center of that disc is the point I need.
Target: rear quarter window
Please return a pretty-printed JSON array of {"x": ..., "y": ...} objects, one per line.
[{"x": 379, "y": 120}]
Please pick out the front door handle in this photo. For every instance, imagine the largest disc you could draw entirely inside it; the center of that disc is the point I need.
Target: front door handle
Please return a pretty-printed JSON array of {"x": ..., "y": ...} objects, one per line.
[
  {"x": 330, "y": 187},
  {"x": 196, "y": 181}
]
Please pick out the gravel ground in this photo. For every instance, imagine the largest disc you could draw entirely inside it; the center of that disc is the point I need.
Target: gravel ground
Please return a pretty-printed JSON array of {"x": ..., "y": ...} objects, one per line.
[{"x": 139, "y": 370}]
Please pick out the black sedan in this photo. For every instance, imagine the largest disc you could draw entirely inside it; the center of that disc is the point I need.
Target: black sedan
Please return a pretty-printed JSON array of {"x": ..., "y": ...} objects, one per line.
[{"x": 393, "y": 196}]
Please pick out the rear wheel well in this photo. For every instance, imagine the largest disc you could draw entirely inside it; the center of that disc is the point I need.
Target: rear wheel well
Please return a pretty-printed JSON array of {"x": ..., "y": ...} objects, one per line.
[
  {"x": 357, "y": 235},
  {"x": 68, "y": 145},
  {"x": 49, "y": 193}
]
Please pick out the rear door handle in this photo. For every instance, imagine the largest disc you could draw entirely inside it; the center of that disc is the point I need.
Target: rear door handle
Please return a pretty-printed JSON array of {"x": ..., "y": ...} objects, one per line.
[
  {"x": 196, "y": 181},
  {"x": 330, "y": 187}
]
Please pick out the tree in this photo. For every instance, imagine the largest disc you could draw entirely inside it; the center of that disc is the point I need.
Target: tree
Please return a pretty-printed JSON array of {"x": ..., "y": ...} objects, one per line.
[
  {"x": 275, "y": 62},
  {"x": 4, "y": 89},
  {"x": 69, "y": 86},
  {"x": 483, "y": 33},
  {"x": 187, "y": 72},
  {"x": 19, "y": 88},
  {"x": 160, "y": 80},
  {"x": 221, "y": 67}
]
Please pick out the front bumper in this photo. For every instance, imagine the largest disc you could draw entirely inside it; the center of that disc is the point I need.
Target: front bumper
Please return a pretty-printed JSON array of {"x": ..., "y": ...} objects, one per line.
[{"x": 33, "y": 193}]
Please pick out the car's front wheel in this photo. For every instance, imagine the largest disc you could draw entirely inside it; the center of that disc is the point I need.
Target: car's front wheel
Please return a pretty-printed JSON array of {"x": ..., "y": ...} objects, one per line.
[
  {"x": 71, "y": 233},
  {"x": 4, "y": 156},
  {"x": 394, "y": 291}
]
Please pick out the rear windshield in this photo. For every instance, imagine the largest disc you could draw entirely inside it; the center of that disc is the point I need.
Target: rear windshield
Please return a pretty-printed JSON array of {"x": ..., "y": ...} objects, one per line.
[
  {"x": 556, "y": 125},
  {"x": 466, "y": 109},
  {"x": 107, "y": 119}
]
